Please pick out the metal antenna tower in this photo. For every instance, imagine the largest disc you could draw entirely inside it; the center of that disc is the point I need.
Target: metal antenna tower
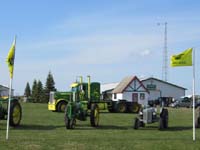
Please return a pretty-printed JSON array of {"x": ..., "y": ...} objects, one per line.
[{"x": 165, "y": 54}]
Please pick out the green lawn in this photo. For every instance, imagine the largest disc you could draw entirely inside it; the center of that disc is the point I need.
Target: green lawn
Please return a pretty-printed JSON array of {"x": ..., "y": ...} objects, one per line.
[{"x": 43, "y": 129}]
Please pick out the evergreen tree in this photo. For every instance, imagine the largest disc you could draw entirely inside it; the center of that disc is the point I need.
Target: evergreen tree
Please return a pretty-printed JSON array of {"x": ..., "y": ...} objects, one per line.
[
  {"x": 27, "y": 91},
  {"x": 34, "y": 91},
  {"x": 50, "y": 86},
  {"x": 41, "y": 93}
]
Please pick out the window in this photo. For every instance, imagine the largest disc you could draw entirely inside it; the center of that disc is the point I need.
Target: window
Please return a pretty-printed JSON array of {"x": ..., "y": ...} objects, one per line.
[
  {"x": 142, "y": 96},
  {"x": 135, "y": 97},
  {"x": 115, "y": 96}
]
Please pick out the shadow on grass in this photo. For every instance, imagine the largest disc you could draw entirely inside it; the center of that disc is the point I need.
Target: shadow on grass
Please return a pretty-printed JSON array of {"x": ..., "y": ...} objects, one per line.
[
  {"x": 38, "y": 127},
  {"x": 174, "y": 128},
  {"x": 102, "y": 127},
  {"x": 179, "y": 128}
]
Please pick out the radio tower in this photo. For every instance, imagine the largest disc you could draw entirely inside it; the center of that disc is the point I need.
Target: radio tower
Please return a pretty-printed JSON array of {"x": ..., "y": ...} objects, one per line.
[{"x": 165, "y": 54}]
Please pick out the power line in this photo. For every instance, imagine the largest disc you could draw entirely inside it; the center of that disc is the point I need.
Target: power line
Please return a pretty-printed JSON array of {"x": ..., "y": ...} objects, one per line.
[{"x": 165, "y": 54}]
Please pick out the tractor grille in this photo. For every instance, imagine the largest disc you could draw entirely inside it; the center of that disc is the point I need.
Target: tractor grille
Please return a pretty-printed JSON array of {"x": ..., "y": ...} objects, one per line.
[
  {"x": 51, "y": 97},
  {"x": 147, "y": 115}
]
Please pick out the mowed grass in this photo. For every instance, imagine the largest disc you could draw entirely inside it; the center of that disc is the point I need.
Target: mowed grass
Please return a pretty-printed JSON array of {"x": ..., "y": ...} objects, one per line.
[{"x": 41, "y": 129}]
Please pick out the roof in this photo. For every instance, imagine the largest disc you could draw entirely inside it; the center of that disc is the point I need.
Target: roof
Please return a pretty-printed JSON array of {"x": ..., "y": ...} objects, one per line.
[
  {"x": 152, "y": 78},
  {"x": 2, "y": 86},
  {"x": 108, "y": 86},
  {"x": 125, "y": 83}
]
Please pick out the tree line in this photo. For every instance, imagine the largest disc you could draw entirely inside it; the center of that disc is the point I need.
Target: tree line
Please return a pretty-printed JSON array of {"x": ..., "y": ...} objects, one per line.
[{"x": 39, "y": 93}]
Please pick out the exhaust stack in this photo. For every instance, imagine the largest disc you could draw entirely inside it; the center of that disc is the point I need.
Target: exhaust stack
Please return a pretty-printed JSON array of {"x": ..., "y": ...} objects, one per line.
[{"x": 88, "y": 87}]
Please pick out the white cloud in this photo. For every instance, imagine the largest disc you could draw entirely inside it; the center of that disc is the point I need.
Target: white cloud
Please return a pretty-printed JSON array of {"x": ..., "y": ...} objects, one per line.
[{"x": 146, "y": 52}]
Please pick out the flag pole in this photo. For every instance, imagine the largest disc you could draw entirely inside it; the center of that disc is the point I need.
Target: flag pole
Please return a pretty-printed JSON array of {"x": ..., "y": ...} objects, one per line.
[
  {"x": 10, "y": 86},
  {"x": 8, "y": 116},
  {"x": 193, "y": 95}
]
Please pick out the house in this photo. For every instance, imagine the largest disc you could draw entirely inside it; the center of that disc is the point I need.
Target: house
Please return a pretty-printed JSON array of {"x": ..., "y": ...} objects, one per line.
[
  {"x": 4, "y": 91},
  {"x": 132, "y": 90}
]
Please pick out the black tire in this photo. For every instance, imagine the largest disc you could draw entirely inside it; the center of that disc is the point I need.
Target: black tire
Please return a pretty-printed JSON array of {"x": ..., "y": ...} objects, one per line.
[
  {"x": 165, "y": 118},
  {"x": 135, "y": 107},
  {"x": 61, "y": 106},
  {"x": 111, "y": 110},
  {"x": 3, "y": 112},
  {"x": 94, "y": 115},
  {"x": 69, "y": 123},
  {"x": 136, "y": 123},
  {"x": 15, "y": 113},
  {"x": 161, "y": 126},
  {"x": 121, "y": 107},
  {"x": 197, "y": 122},
  {"x": 142, "y": 124}
]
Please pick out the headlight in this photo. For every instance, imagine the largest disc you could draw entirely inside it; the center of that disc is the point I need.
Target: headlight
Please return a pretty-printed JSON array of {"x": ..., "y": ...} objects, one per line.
[{"x": 140, "y": 113}]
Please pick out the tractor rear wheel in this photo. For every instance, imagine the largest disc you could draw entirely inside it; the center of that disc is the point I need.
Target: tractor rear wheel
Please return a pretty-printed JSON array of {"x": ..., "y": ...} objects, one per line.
[
  {"x": 121, "y": 107},
  {"x": 197, "y": 122},
  {"x": 165, "y": 118},
  {"x": 15, "y": 113},
  {"x": 136, "y": 123},
  {"x": 134, "y": 108},
  {"x": 197, "y": 117},
  {"x": 161, "y": 126},
  {"x": 163, "y": 122},
  {"x": 94, "y": 115}
]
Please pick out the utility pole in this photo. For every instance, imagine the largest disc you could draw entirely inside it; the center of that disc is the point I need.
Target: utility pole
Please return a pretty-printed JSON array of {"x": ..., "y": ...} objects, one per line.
[{"x": 165, "y": 54}]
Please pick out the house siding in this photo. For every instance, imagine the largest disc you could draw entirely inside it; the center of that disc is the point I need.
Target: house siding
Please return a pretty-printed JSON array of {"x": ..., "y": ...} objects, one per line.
[{"x": 163, "y": 90}]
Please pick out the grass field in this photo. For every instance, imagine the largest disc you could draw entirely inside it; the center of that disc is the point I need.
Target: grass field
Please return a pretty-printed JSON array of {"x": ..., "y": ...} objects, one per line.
[{"x": 43, "y": 129}]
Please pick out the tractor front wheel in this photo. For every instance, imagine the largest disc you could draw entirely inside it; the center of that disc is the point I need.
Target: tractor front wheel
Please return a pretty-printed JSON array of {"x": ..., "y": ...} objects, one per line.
[
  {"x": 94, "y": 115},
  {"x": 15, "y": 113},
  {"x": 61, "y": 106},
  {"x": 136, "y": 123},
  {"x": 69, "y": 122}
]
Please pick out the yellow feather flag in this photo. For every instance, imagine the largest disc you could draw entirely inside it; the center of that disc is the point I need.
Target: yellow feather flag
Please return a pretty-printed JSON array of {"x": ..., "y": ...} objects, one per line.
[
  {"x": 182, "y": 59},
  {"x": 10, "y": 58}
]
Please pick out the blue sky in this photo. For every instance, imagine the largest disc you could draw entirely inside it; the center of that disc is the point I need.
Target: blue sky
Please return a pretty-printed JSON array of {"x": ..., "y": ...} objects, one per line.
[{"x": 107, "y": 39}]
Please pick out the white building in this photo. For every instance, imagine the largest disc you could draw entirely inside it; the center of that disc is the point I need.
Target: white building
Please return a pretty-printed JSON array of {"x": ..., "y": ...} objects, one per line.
[
  {"x": 159, "y": 88},
  {"x": 4, "y": 91}
]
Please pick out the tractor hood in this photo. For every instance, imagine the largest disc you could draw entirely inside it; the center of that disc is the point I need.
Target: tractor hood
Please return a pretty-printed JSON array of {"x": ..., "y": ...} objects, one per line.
[{"x": 75, "y": 84}]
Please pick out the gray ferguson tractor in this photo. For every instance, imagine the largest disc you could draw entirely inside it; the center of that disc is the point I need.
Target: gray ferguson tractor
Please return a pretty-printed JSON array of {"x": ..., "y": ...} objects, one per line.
[{"x": 148, "y": 115}]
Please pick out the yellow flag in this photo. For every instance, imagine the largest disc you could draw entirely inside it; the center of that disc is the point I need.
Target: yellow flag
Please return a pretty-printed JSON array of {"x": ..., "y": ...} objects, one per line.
[
  {"x": 182, "y": 59},
  {"x": 10, "y": 58}
]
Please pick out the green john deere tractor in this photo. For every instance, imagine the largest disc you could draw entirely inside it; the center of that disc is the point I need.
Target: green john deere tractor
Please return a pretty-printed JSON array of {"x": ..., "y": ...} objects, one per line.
[
  {"x": 58, "y": 101},
  {"x": 15, "y": 111},
  {"x": 84, "y": 103}
]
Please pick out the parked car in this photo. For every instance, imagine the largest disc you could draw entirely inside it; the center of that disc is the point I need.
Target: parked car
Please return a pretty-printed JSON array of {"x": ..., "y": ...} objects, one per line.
[
  {"x": 186, "y": 101},
  {"x": 182, "y": 102}
]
